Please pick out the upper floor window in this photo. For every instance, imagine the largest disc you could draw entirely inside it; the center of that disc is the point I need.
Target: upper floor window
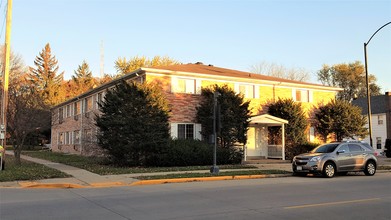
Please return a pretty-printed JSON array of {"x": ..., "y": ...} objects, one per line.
[
  {"x": 247, "y": 90},
  {"x": 185, "y": 85},
  {"x": 61, "y": 114},
  {"x": 379, "y": 119},
  {"x": 76, "y": 108},
  {"x": 87, "y": 104},
  {"x": 302, "y": 96},
  {"x": 68, "y": 110}
]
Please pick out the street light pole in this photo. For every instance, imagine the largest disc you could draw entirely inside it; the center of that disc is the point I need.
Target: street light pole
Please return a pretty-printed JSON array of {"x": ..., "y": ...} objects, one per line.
[
  {"x": 215, "y": 169},
  {"x": 367, "y": 81}
]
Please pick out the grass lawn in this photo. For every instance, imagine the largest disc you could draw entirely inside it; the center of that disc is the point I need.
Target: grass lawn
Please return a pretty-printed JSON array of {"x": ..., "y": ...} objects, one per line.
[
  {"x": 228, "y": 173},
  {"x": 98, "y": 165},
  {"x": 27, "y": 171}
]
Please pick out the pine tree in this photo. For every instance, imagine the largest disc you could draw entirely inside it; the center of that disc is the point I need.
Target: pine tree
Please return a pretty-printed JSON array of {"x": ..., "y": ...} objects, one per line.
[
  {"x": 82, "y": 79},
  {"x": 234, "y": 115},
  {"x": 45, "y": 79},
  {"x": 134, "y": 124}
]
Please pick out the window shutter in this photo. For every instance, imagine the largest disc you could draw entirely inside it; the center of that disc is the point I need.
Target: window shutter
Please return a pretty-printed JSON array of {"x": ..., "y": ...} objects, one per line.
[
  {"x": 198, "y": 86},
  {"x": 174, "y": 83},
  {"x": 294, "y": 94},
  {"x": 256, "y": 92},
  {"x": 174, "y": 130},
  {"x": 310, "y": 96},
  {"x": 197, "y": 132}
]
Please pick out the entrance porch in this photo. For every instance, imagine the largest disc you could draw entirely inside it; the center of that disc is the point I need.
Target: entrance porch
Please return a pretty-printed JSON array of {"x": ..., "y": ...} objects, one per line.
[{"x": 258, "y": 145}]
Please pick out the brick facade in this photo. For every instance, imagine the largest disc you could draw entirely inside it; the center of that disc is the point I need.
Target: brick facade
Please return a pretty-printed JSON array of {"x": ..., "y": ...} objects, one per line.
[{"x": 75, "y": 131}]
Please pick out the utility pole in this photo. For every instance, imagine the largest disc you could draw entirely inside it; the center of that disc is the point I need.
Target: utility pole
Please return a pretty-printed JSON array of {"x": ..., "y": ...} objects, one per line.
[
  {"x": 102, "y": 60},
  {"x": 7, "y": 54}
]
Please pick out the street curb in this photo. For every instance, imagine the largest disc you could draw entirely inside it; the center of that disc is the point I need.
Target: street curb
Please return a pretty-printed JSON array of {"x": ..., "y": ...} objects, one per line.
[
  {"x": 205, "y": 179},
  {"x": 50, "y": 185},
  {"x": 36, "y": 185}
]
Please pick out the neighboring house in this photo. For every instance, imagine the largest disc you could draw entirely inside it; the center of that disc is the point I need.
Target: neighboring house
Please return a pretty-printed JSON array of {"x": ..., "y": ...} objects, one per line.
[
  {"x": 380, "y": 118},
  {"x": 74, "y": 130}
]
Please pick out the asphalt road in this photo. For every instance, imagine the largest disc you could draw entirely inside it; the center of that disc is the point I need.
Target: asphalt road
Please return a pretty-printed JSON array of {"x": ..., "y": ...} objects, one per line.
[{"x": 347, "y": 197}]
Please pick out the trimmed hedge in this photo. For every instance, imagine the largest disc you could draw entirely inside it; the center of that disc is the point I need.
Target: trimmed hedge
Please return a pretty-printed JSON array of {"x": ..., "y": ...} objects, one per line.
[{"x": 195, "y": 153}]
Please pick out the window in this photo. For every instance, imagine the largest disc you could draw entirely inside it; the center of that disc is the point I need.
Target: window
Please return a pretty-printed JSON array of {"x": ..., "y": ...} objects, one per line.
[
  {"x": 61, "y": 114},
  {"x": 355, "y": 148},
  {"x": 344, "y": 148},
  {"x": 68, "y": 111},
  {"x": 68, "y": 138},
  {"x": 379, "y": 119},
  {"x": 302, "y": 95},
  {"x": 76, "y": 108},
  {"x": 246, "y": 90},
  {"x": 99, "y": 99},
  {"x": 185, "y": 86},
  {"x": 87, "y": 136},
  {"x": 87, "y": 104},
  {"x": 76, "y": 137},
  {"x": 378, "y": 142},
  {"x": 60, "y": 138},
  {"x": 185, "y": 131}
]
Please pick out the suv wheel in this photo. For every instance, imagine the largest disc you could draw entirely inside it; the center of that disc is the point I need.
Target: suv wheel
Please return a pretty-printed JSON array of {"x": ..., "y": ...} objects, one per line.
[
  {"x": 370, "y": 168},
  {"x": 329, "y": 170}
]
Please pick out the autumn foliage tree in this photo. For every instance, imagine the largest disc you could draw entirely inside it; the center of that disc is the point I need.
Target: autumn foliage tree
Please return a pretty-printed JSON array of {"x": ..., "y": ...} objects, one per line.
[
  {"x": 46, "y": 79},
  {"x": 124, "y": 66},
  {"x": 350, "y": 77}
]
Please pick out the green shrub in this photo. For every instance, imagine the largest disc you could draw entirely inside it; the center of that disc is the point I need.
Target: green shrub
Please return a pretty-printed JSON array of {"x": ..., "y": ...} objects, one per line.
[
  {"x": 294, "y": 150},
  {"x": 195, "y": 153}
]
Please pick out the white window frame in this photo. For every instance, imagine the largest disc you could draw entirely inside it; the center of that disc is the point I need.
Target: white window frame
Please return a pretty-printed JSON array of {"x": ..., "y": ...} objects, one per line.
[
  {"x": 196, "y": 130},
  {"x": 248, "y": 94},
  {"x": 191, "y": 85}
]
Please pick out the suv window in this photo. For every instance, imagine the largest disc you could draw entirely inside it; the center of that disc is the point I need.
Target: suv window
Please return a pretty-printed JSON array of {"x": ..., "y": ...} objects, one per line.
[
  {"x": 344, "y": 148},
  {"x": 367, "y": 147},
  {"x": 355, "y": 148},
  {"x": 326, "y": 148}
]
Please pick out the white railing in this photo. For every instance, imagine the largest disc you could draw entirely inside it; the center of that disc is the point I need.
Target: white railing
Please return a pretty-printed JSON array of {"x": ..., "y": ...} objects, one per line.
[{"x": 274, "y": 151}]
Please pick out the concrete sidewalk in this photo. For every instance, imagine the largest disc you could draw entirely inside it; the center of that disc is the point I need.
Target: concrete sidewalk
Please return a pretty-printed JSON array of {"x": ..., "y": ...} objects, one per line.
[{"x": 82, "y": 178}]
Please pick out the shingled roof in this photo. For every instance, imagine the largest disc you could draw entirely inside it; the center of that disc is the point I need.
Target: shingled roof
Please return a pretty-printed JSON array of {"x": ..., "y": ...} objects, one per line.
[
  {"x": 218, "y": 71},
  {"x": 379, "y": 104}
]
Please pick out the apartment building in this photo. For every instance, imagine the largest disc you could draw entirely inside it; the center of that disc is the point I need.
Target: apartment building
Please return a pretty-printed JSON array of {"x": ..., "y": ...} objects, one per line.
[{"x": 74, "y": 131}]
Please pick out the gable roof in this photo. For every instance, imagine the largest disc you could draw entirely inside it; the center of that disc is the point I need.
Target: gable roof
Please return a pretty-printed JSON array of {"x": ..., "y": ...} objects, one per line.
[
  {"x": 379, "y": 104},
  {"x": 200, "y": 68}
]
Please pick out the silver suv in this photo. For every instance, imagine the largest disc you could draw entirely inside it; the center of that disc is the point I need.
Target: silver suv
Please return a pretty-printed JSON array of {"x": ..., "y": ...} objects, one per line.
[{"x": 337, "y": 157}]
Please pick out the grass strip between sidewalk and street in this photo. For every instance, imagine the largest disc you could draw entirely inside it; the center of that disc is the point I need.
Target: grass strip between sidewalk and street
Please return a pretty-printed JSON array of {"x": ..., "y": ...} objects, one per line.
[
  {"x": 100, "y": 166},
  {"x": 228, "y": 173},
  {"x": 27, "y": 171}
]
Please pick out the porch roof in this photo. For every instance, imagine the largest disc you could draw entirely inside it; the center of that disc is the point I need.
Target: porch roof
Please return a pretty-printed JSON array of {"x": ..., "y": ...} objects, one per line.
[{"x": 267, "y": 119}]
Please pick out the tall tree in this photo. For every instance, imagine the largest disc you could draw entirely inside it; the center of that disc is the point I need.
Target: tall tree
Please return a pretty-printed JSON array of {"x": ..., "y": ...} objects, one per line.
[
  {"x": 134, "y": 123},
  {"x": 45, "y": 78},
  {"x": 277, "y": 70},
  {"x": 340, "y": 118},
  {"x": 234, "y": 115},
  {"x": 26, "y": 113},
  {"x": 350, "y": 77},
  {"x": 297, "y": 124},
  {"x": 124, "y": 66},
  {"x": 82, "y": 79}
]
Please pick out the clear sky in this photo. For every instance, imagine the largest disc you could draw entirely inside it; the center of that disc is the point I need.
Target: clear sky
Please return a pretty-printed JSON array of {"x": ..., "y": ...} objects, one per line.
[{"x": 233, "y": 34}]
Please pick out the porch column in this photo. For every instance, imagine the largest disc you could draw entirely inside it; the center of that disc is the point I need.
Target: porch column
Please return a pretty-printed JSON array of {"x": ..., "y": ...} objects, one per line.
[{"x": 283, "y": 141}]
